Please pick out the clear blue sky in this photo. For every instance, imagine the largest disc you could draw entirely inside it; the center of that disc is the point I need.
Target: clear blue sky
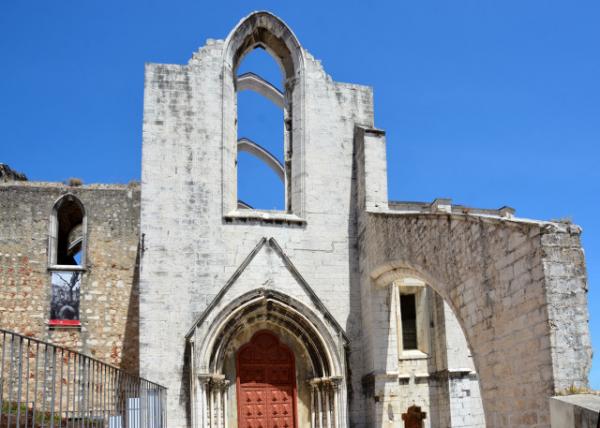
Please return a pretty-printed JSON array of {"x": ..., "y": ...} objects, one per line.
[{"x": 489, "y": 103}]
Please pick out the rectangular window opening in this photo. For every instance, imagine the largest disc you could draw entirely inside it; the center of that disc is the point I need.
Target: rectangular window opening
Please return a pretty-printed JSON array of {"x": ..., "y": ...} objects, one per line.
[{"x": 408, "y": 309}]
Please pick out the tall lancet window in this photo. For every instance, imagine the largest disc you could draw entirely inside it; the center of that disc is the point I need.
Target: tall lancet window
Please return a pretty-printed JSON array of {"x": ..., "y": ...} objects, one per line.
[
  {"x": 264, "y": 122},
  {"x": 261, "y": 111},
  {"x": 67, "y": 233}
]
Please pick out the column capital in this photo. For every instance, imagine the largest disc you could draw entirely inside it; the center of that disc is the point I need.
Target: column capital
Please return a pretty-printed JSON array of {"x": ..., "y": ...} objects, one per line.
[{"x": 204, "y": 378}]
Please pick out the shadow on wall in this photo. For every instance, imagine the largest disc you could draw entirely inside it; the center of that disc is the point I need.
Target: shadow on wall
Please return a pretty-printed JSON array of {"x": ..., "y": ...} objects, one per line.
[
  {"x": 185, "y": 399},
  {"x": 130, "y": 354},
  {"x": 354, "y": 322}
]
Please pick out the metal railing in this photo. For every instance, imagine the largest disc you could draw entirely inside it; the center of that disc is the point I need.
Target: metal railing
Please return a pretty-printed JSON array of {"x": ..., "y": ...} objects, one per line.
[{"x": 43, "y": 385}]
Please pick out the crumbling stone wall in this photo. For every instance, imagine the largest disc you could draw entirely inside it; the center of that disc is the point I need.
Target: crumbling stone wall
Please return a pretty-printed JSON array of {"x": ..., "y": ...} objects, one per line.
[
  {"x": 109, "y": 290},
  {"x": 565, "y": 275},
  {"x": 518, "y": 290},
  {"x": 8, "y": 174},
  {"x": 517, "y": 287},
  {"x": 195, "y": 242}
]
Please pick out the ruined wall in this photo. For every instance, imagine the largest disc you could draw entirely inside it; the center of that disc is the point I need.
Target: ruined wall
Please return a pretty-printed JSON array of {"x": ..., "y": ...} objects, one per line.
[
  {"x": 515, "y": 286},
  {"x": 194, "y": 244},
  {"x": 495, "y": 275},
  {"x": 565, "y": 277},
  {"x": 8, "y": 174},
  {"x": 109, "y": 288}
]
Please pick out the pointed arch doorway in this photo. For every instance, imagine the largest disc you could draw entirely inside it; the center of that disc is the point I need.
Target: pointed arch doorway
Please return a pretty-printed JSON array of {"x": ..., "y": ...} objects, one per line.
[{"x": 266, "y": 383}]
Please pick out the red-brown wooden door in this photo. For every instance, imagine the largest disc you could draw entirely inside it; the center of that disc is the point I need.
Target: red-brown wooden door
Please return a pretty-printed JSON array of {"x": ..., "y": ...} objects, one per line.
[{"x": 266, "y": 384}]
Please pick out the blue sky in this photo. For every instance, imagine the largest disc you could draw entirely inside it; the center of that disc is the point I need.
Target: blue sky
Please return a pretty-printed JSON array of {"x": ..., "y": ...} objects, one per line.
[{"x": 489, "y": 103}]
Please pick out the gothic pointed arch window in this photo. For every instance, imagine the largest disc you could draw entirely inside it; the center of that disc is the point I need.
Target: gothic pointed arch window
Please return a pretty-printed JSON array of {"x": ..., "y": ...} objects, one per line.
[
  {"x": 261, "y": 171},
  {"x": 68, "y": 233},
  {"x": 263, "y": 34}
]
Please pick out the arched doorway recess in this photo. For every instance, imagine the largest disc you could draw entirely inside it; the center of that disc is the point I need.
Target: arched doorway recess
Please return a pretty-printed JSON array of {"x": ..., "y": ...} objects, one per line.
[{"x": 221, "y": 333}]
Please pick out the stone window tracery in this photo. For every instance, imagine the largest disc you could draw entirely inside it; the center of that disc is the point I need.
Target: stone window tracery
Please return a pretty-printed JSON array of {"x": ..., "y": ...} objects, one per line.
[
  {"x": 262, "y": 173},
  {"x": 266, "y": 32}
]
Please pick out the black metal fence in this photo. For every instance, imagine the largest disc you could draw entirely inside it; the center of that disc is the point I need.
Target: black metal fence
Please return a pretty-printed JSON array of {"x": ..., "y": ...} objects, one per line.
[{"x": 43, "y": 385}]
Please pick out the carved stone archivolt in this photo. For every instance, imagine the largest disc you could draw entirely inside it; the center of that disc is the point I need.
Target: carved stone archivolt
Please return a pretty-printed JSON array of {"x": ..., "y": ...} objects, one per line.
[{"x": 215, "y": 338}]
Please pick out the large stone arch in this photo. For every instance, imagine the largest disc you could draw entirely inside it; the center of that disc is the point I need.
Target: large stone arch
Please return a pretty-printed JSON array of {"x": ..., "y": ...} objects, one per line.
[
  {"x": 503, "y": 280},
  {"x": 265, "y": 30},
  {"x": 441, "y": 342},
  {"x": 217, "y": 337}
]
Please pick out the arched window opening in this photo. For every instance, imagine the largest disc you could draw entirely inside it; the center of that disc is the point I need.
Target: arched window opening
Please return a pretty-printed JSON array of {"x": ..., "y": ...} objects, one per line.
[
  {"x": 67, "y": 234},
  {"x": 262, "y": 55},
  {"x": 261, "y": 171},
  {"x": 70, "y": 221},
  {"x": 66, "y": 259}
]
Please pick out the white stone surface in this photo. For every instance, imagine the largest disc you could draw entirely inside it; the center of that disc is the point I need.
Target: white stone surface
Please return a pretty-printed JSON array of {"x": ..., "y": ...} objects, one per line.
[{"x": 514, "y": 290}]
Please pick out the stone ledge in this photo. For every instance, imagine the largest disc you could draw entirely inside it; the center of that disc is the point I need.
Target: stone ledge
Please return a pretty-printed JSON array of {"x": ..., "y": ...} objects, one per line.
[
  {"x": 444, "y": 207},
  {"x": 268, "y": 217},
  {"x": 413, "y": 354},
  {"x": 60, "y": 185},
  {"x": 575, "y": 411}
]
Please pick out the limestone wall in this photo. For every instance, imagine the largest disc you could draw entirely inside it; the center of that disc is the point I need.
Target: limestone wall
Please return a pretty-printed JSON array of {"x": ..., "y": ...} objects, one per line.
[
  {"x": 515, "y": 286},
  {"x": 566, "y": 295},
  {"x": 195, "y": 243},
  {"x": 109, "y": 295},
  {"x": 492, "y": 273}
]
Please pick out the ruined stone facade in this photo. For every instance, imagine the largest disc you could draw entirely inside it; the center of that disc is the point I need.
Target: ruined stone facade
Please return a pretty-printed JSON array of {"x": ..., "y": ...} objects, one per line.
[
  {"x": 109, "y": 314},
  {"x": 389, "y": 314}
]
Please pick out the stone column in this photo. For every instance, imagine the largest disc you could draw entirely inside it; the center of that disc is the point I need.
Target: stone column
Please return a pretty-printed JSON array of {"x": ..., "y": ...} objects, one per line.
[
  {"x": 222, "y": 387},
  {"x": 218, "y": 390},
  {"x": 325, "y": 403},
  {"x": 337, "y": 417},
  {"x": 203, "y": 401}
]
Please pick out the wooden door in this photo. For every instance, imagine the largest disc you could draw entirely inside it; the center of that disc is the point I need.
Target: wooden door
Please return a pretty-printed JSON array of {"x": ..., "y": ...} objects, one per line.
[
  {"x": 413, "y": 418},
  {"x": 266, "y": 384}
]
